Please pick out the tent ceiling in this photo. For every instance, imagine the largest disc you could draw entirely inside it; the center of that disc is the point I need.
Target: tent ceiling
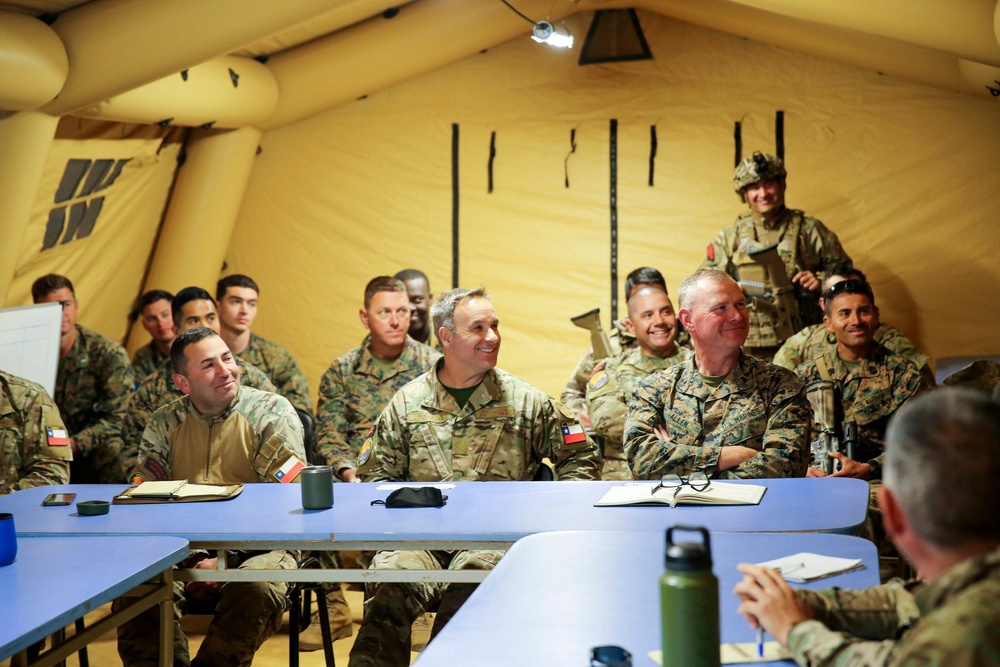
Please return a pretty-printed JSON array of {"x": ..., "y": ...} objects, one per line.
[{"x": 326, "y": 52}]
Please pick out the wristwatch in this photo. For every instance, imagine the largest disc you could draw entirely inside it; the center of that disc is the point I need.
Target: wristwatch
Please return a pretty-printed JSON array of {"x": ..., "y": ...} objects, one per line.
[{"x": 876, "y": 469}]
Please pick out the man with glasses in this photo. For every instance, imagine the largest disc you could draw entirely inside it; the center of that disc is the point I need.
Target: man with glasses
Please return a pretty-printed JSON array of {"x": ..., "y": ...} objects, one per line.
[
  {"x": 942, "y": 463},
  {"x": 815, "y": 340},
  {"x": 93, "y": 383},
  {"x": 724, "y": 412},
  {"x": 652, "y": 321}
]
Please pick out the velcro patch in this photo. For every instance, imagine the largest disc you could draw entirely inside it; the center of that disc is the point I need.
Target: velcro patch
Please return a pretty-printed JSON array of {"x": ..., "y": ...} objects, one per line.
[
  {"x": 495, "y": 412},
  {"x": 289, "y": 470},
  {"x": 597, "y": 380},
  {"x": 710, "y": 252},
  {"x": 366, "y": 451},
  {"x": 422, "y": 417},
  {"x": 153, "y": 466}
]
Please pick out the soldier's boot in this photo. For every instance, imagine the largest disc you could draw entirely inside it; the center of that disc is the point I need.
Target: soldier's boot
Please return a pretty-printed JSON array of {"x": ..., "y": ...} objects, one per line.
[
  {"x": 341, "y": 624},
  {"x": 384, "y": 637},
  {"x": 453, "y": 597}
]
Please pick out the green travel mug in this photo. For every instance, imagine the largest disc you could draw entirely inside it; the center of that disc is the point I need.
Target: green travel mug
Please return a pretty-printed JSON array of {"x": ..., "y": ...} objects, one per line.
[
  {"x": 317, "y": 487},
  {"x": 689, "y": 603}
]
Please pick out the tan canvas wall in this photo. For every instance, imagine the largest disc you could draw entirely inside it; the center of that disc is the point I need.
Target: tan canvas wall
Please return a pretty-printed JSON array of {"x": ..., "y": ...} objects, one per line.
[{"x": 902, "y": 172}]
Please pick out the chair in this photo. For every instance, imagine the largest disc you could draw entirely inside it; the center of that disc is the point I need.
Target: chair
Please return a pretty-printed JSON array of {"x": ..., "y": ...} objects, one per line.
[
  {"x": 308, "y": 435},
  {"x": 301, "y": 609}
]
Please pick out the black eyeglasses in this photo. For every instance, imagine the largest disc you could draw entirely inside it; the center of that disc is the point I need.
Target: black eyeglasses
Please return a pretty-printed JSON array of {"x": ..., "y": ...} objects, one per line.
[
  {"x": 610, "y": 656},
  {"x": 697, "y": 480},
  {"x": 847, "y": 287}
]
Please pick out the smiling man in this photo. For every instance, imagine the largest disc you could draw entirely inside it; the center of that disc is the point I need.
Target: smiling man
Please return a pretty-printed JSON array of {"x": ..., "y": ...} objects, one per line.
[
  {"x": 652, "y": 321},
  {"x": 464, "y": 420},
  {"x": 418, "y": 287},
  {"x": 723, "y": 412},
  {"x": 804, "y": 244},
  {"x": 219, "y": 433}
]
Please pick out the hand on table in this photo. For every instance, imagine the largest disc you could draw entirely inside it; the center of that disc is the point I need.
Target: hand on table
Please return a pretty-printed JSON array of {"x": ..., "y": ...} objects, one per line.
[{"x": 766, "y": 600}]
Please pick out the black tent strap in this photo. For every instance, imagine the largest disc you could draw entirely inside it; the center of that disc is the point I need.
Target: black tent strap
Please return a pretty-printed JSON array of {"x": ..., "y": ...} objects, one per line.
[
  {"x": 613, "y": 164},
  {"x": 572, "y": 149},
  {"x": 454, "y": 205},
  {"x": 738, "y": 142},
  {"x": 779, "y": 134},
  {"x": 493, "y": 154}
]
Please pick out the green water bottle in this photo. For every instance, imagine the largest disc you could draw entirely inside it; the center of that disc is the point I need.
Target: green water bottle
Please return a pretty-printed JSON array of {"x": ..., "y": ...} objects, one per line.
[{"x": 689, "y": 603}]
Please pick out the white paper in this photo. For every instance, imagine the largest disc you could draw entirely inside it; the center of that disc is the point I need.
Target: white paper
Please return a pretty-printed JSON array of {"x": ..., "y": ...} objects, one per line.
[{"x": 802, "y": 567}]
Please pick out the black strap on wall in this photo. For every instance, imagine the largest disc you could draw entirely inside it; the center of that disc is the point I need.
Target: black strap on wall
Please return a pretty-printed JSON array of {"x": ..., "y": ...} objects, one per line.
[
  {"x": 493, "y": 154},
  {"x": 652, "y": 152},
  {"x": 613, "y": 164},
  {"x": 572, "y": 149},
  {"x": 454, "y": 205},
  {"x": 779, "y": 134},
  {"x": 738, "y": 142}
]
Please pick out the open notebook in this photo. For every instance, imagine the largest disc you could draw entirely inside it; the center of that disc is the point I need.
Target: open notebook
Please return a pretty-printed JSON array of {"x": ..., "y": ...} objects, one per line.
[
  {"x": 718, "y": 493},
  {"x": 177, "y": 491}
]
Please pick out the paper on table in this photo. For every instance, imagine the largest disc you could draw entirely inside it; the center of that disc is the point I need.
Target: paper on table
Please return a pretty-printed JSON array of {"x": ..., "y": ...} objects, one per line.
[
  {"x": 165, "y": 489},
  {"x": 392, "y": 486},
  {"x": 804, "y": 567},
  {"x": 739, "y": 654}
]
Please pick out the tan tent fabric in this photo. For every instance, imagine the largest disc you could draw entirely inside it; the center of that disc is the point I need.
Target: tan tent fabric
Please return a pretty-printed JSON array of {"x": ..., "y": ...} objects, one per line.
[
  {"x": 902, "y": 172},
  {"x": 107, "y": 266}
]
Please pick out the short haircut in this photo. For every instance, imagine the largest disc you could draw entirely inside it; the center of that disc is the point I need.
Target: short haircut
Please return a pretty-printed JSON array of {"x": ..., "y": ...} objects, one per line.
[
  {"x": 382, "y": 284},
  {"x": 942, "y": 463},
  {"x": 688, "y": 286},
  {"x": 177, "y": 358},
  {"x": 413, "y": 274},
  {"x": 152, "y": 296},
  {"x": 846, "y": 287},
  {"x": 644, "y": 275},
  {"x": 443, "y": 310},
  {"x": 48, "y": 284},
  {"x": 186, "y": 295},
  {"x": 235, "y": 280},
  {"x": 843, "y": 270}
]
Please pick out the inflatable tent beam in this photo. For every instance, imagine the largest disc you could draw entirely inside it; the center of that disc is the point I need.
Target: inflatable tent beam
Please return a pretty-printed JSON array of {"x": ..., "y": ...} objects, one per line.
[
  {"x": 25, "y": 140},
  {"x": 33, "y": 62},
  {"x": 202, "y": 213}
]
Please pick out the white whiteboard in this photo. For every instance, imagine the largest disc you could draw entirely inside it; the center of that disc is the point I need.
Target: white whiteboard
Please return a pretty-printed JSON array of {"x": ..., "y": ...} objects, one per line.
[{"x": 29, "y": 342}]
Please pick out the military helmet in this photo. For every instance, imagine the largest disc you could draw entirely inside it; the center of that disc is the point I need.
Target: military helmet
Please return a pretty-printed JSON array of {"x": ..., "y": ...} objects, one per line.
[{"x": 757, "y": 167}]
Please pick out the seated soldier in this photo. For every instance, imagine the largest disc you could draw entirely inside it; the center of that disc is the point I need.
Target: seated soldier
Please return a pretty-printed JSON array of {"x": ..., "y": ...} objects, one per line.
[
  {"x": 942, "y": 463},
  {"x": 218, "y": 433},
  {"x": 652, "y": 321},
  {"x": 418, "y": 289},
  {"x": 34, "y": 446},
  {"x": 155, "y": 317},
  {"x": 464, "y": 420},
  {"x": 723, "y": 412},
  {"x": 93, "y": 383},
  {"x": 814, "y": 340}
]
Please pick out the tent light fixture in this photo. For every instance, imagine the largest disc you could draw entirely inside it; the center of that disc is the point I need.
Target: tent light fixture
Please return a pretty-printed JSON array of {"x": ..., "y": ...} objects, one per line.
[{"x": 546, "y": 33}]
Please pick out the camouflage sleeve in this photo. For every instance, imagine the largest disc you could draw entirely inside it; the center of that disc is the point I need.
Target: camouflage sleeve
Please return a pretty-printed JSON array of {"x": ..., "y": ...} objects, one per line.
[
  {"x": 647, "y": 455},
  {"x": 606, "y": 404},
  {"x": 785, "y": 447},
  {"x": 138, "y": 409},
  {"x": 790, "y": 354},
  {"x": 253, "y": 377},
  {"x": 153, "y": 458},
  {"x": 574, "y": 395},
  {"x": 896, "y": 341},
  {"x": 566, "y": 444},
  {"x": 280, "y": 436},
  {"x": 827, "y": 247},
  {"x": 718, "y": 252},
  {"x": 117, "y": 379},
  {"x": 332, "y": 424},
  {"x": 853, "y": 627},
  {"x": 290, "y": 381},
  {"x": 42, "y": 462},
  {"x": 385, "y": 454}
]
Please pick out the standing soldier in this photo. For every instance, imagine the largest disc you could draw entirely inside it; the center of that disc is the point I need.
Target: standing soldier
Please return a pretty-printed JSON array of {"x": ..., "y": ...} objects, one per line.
[
  {"x": 34, "y": 448},
  {"x": 781, "y": 295},
  {"x": 93, "y": 383}
]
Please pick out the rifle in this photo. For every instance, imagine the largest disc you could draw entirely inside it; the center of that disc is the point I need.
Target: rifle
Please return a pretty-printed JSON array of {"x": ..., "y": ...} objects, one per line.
[
  {"x": 821, "y": 398},
  {"x": 850, "y": 439},
  {"x": 780, "y": 299},
  {"x": 591, "y": 321}
]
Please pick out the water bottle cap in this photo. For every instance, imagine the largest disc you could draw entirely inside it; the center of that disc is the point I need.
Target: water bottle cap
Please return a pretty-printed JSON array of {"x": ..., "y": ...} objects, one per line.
[{"x": 689, "y": 556}]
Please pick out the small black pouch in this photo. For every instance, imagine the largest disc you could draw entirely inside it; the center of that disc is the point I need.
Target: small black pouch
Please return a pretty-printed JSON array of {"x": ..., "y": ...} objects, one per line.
[{"x": 408, "y": 496}]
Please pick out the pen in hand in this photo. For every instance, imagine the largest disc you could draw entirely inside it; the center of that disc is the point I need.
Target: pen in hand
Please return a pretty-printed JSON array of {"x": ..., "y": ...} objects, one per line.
[{"x": 760, "y": 641}]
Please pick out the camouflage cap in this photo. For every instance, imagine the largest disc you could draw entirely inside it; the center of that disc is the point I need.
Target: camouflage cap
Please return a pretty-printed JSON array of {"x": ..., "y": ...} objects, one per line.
[
  {"x": 983, "y": 375},
  {"x": 757, "y": 167}
]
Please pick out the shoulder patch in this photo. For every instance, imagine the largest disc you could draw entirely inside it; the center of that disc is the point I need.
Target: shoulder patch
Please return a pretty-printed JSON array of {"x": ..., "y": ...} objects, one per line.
[
  {"x": 710, "y": 252},
  {"x": 597, "y": 380},
  {"x": 599, "y": 367},
  {"x": 567, "y": 415},
  {"x": 366, "y": 450}
]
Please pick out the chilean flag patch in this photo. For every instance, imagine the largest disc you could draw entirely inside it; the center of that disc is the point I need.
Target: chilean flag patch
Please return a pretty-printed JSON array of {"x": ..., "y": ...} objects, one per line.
[
  {"x": 573, "y": 433},
  {"x": 288, "y": 472},
  {"x": 57, "y": 437}
]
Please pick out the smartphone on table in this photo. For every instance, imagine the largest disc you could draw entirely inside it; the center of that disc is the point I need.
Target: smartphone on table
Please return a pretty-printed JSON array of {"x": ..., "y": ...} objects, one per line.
[{"x": 58, "y": 499}]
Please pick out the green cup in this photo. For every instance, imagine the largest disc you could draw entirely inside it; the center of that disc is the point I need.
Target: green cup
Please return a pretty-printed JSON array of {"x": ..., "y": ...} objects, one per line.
[{"x": 317, "y": 487}]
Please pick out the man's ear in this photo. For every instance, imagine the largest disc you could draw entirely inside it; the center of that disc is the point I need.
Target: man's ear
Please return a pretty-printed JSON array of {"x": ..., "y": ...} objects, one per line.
[
  {"x": 444, "y": 335},
  {"x": 893, "y": 519},
  {"x": 629, "y": 326},
  {"x": 829, "y": 326},
  {"x": 363, "y": 314},
  {"x": 182, "y": 383},
  {"x": 684, "y": 315}
]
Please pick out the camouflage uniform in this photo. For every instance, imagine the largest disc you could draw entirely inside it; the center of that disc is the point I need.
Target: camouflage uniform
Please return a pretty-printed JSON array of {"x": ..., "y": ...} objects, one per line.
[
  {"x": 92, "y": 386},
  {"x": 248, "y": 443},
  {"x": 147, "y": 360},
  {"x": 574, "y": 396},
  {"x": 504, "y": 431},
  {"x": 158, "y": 390},
  {"x": 607, "y": 395},
  {"x": 279, "y": 365},
  {"x": 30, "y": 426},
  {"x": 982, "y": 375},
  {"x": 805, "y": 245},
  {"x": 815, "y": 340},
  {"x": 950, "y": 622},
  {"x": 758, "y": 405},
  {"x": 352, "y": 393}
]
